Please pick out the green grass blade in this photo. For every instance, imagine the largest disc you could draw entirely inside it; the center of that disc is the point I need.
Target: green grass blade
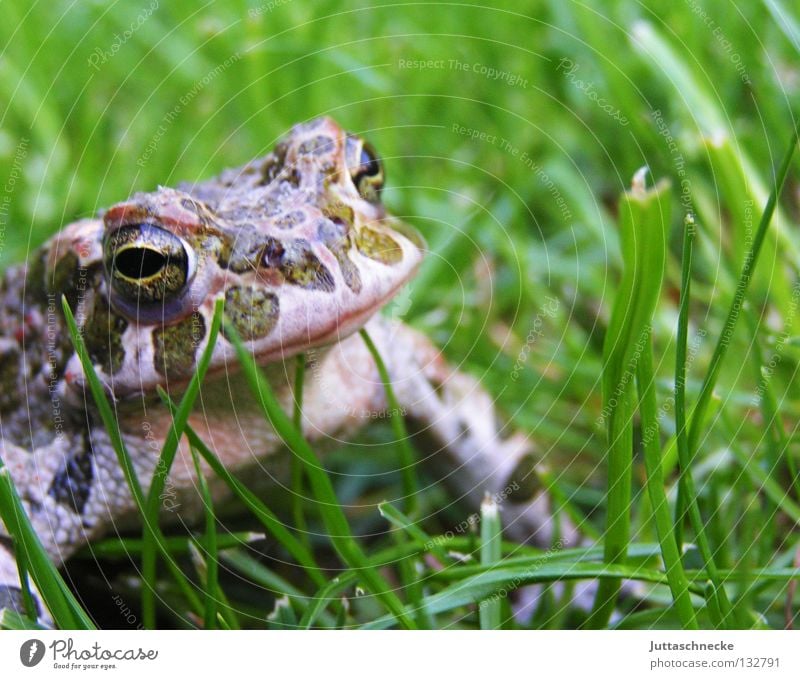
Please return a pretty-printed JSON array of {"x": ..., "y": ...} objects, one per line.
[
  {"x": 11, "y": 620},
  {"x": 410, "y": 566},
  {"x": 412, "y": 585},
  {"x": 283, "y": 615},
  {"x": 681, "y": 441},
  {"x": 529, "y": 563},
  {"x": 407, "y": 457},
  {"x": 210, "y": 545},
  {"x": 324, "y": 597},
  {"x": 643, "y": 553},
  {"x": 298, "y": 490},
  {"x": 761, "y": 479},
  {"x": 259, "y": 574},
  {"x": 265, "y": 515},
  {"x": 490, "y": 610},
  {"x": 785, "y": 20},
  {"x": 66, "y": 611},
  {"x": 678, "y": 583},
  {"x": 332, "y": 514},
  {"x": 778, "y": 444},
  {"x": 104, "y": 407},
  {"x": 152, "y": 504},
  {"x": 687, "y": 493},
  {"x": 110, "y": 548},
  {"x": 400, "y": 520},
  {"x": 22, "y": 569},
  {"x": 644, "y": 223},
  {"x": 471, "y": 590},
  {"x": 697, "y": 422},
  {"x": 123, "y": 457}
]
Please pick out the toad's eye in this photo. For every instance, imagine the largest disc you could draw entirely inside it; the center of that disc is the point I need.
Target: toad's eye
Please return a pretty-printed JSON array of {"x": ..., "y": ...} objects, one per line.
[
  {"x": 366, "y": 170},
  {"x": 149, "y": 270}
]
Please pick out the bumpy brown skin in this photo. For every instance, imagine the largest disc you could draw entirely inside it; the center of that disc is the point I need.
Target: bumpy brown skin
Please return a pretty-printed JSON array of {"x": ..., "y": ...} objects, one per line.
[{"x": 303, "y": 253}]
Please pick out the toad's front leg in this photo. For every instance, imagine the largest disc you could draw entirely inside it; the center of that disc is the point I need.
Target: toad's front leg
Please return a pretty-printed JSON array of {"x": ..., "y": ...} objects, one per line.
[{"x": 476, "y": 453}]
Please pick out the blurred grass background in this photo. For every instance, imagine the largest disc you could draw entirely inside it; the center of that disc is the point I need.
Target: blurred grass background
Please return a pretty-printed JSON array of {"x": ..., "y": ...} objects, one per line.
[{"x": 514, "y": 180}]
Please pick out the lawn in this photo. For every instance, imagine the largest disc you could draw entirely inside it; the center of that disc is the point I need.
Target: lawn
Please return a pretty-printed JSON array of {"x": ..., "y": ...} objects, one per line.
[{"x": 604, "y": 306}]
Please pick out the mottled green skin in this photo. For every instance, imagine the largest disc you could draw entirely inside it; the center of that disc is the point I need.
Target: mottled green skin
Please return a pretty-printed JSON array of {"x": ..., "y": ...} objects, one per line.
[
  {"x": 252, "y": 311},
  {"x": 176, "y": 346},
  {"x": 103, "y": 336},
  {"x": 378, "y": 246},
  {"x": 334, "y": 233},
  {"x": 294, "y": 260},
  {"x": 10, "y": 396}
]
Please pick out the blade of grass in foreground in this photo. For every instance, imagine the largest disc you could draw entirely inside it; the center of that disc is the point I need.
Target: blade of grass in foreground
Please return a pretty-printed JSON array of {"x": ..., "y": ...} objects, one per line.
[
  {"x": 11, "y": 620},
  {"x": 298, "y": 492},
  {"x": 22, "y": 569},
  {"x": 110, "y": 548},
  {"x": 400, "y": 520},
  {"x": 332, "y": 514},
  {"x": 489, "y": 582},
  {"x": 66, "y": 611},
  {"x": 123, "y": 457},
  {"x": 268, "y": 519},
  {"x": 490, "y": 610},
  {"x": 686, "y": 487},
  {"x": 166, "y": 458},
  {"x": 103, "y": 406},
  {"x": 407, "y": 459},
  {"x": 210, "y": 545},
  {"x": 697, "y": 422},
  {"x": 409, "y": 567},
  {"x": 750, "y": 262},
  {"x": 678, "y": 583},
  {"x": 325, "y": 596},
  {"x": 778, "y": 444},
  {"x": 643, "y": 224}
]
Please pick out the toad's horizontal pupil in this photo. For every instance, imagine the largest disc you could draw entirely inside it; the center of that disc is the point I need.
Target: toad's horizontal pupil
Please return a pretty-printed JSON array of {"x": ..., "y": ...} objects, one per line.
[{"x": 140, "y": 262}]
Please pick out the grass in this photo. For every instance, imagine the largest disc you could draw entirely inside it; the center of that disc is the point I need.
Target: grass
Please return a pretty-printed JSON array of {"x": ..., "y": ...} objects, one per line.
[
  {"x": 644, "y": 215},
  {"x": 520, "y": 185}
]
